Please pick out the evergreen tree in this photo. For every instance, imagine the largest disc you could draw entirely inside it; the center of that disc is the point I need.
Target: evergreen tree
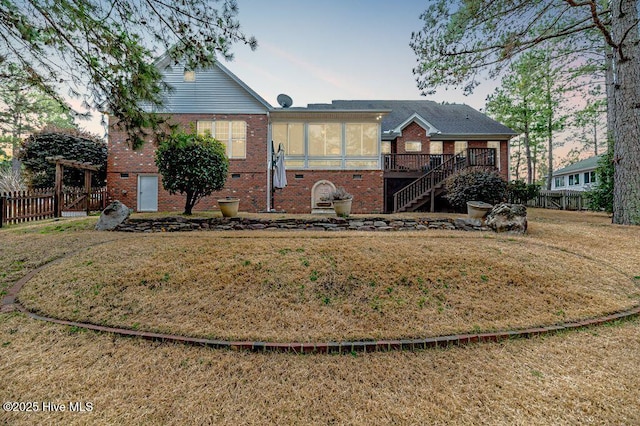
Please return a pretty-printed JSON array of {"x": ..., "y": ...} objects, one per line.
[
  {"x": 102, "y": 51},
  {"x": 462, "y": 39}
]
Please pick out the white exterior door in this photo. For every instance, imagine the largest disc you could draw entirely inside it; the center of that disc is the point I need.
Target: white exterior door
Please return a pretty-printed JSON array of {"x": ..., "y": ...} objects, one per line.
[{"x": 147, "y": 193}]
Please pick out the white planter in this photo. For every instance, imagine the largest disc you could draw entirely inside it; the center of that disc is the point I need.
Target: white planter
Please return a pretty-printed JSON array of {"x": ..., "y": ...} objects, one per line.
[
  {"x": 478, "y": 209},
  {"x": 342, "y": 207},
  {"x": 229, "y": 206}
]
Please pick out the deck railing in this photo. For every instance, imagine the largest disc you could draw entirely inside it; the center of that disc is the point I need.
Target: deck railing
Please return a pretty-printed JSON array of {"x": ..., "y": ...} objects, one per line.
[
  {"x": 412, "y": 162},
  {"x": 426, "y": 162}
]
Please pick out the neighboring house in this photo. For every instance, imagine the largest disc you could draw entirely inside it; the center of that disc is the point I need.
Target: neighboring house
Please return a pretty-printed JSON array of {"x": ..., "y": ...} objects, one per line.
[
  {"x": 391, "y": 155},
  {"x": 580, "y": 176}
]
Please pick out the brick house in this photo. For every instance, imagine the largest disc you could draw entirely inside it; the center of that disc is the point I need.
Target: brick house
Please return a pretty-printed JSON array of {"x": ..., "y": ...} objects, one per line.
[{"x": 391, "y": 155}]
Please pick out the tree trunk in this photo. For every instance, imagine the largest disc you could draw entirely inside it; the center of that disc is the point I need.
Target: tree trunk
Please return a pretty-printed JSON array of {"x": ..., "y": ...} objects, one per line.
[
  {"x": 626, "y": 119},
  {"x": 595, "y": 137},
  {"x": 549, "y": 132},
  {"x": 527, "y": 146},
  {"x": 189, "y": 203},
  {"x": 518, "y": 159}
]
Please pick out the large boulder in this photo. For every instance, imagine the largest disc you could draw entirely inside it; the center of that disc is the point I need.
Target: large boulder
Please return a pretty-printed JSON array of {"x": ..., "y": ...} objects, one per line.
[
  {"x": 112, "y": 216},
  {"x": 509, "y": 218}
]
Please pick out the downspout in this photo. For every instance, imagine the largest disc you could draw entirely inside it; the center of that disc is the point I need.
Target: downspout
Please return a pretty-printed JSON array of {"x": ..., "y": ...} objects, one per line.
[
  {"x": 269, "y": 163},
  {"x": 509, "y": 159}
]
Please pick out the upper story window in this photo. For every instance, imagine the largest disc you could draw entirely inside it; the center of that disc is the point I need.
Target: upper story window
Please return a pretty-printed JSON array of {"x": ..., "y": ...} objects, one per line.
[
  {"x": 413, "y": 146},
  {"x": 574, "y": 179},
  {"x": 435, "y": 148},
  {"x": 589, "y": 177},
  {"x": 459, "y": 147},
  {"x": 189, "y": 75},
  {"x": 361, "y": 140},
  {"x": 558, "y": 181},
  {"x": 232, "y": 134},
  {"x": 385, "y": 148}
]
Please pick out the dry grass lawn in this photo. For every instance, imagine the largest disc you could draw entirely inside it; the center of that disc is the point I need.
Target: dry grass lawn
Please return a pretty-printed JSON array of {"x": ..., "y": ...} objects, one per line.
[
  {"x": 578, "y": 378},
  {"x": 285, "y": 286},
  {"x": 586, "y": 377}
]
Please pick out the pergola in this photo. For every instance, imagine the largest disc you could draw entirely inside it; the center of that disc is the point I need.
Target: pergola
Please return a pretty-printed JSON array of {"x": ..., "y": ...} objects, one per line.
[{"x": 61, "y": 163}]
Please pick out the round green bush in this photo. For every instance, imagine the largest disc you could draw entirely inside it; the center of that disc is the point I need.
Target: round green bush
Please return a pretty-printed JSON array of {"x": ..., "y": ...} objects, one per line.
[
  {"x": 474, "y": 184},
  {"x": 193, "y": 165}
]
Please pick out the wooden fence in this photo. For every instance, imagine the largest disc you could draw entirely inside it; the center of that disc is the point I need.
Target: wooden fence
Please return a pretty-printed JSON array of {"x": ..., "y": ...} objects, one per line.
[
  {"x": 38, "y": 204},
  {"x": 560, "y": 200}
]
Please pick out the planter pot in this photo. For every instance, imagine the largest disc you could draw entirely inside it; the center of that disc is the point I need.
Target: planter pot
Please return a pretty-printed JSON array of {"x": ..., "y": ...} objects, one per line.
[
  {"x": 342, "y": 207},
  {"x": 478, "y": 209},
  {"x": 229, "y": 206}
]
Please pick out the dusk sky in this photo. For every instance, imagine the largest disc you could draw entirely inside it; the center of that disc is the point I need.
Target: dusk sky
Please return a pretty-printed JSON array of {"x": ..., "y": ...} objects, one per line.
[
  {"x": 319, "y": 51},
  {"x": 334, "y": 49}
]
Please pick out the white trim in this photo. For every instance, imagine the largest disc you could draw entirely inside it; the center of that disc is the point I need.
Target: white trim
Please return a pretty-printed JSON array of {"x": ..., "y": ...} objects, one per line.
[{"x": 420, "y": 121}]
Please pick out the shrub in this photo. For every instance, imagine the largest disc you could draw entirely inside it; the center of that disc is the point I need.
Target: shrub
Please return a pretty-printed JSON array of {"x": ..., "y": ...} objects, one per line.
[
  {"x": 340, "y": 194},
  {"x": 193, "y": 165},
  {"x": 71, "y": 145},
  {"x": 474, "y": 184},
  {"x": 11, "y": 180},
  {"x": 600, "y": 197},
  {"x": 519, "y": 192}
]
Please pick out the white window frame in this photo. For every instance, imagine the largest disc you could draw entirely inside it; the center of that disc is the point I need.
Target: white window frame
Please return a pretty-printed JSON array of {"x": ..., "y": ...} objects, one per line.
[
  {"x": 574, "y": 179},
  {"x": 495, "y": 145},
  {"x": 457, "y": 151},
  {"x": 335, "y": 161},
  {"x": 228, "y": 143},
  {"x": 417, "y": 146},
  {"x": 559, "y": 179},
  {"x": 436, "y": 151}
]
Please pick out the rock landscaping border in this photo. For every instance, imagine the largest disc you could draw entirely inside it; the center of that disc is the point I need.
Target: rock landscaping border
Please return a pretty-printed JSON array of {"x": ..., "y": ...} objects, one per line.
[{"x": 176, "y": 224}]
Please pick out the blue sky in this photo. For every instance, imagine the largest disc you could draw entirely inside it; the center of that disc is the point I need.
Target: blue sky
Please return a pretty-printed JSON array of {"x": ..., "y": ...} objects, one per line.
[{"x": 317, "y": 51}]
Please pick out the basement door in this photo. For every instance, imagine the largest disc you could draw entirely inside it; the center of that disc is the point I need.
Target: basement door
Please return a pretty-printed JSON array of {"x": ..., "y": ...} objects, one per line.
[{"x": 147, "y": 193}]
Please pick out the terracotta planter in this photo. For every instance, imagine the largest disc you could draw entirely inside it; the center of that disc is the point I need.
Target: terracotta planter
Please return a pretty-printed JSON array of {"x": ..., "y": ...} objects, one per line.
[
  {"x": 229, "y": 206},
  {"x": 478, "y": 209},
  {"x": 342, "y": 207}
]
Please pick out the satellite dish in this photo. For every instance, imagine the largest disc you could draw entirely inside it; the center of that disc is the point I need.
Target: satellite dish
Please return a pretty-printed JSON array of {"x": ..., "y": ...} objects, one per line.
[{"x": 284, "y": 101}]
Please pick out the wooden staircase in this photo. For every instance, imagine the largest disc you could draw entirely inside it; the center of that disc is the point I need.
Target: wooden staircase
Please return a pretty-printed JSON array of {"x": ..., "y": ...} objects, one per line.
[{"x": 431, "y": 184}]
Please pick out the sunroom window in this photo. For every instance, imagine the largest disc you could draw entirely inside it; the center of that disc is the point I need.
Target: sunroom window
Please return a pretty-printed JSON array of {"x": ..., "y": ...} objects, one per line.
[{"x": 330, "y": 145}]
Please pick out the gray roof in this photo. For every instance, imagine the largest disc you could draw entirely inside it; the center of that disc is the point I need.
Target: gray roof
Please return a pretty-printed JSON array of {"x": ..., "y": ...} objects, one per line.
[
  {"x": 444, "y": 119},
  {"x": 583, "y": 165}
]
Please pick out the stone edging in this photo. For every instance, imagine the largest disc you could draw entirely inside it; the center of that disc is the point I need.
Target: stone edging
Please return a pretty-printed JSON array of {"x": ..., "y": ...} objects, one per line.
[
  {"x": 346, "y": 347},
  {"x": 174, "y": 224},
  {"x": 10, "y": 304}
]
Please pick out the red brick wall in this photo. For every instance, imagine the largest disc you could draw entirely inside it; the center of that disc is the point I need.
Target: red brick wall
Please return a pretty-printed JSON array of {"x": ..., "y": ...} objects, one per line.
[
  {"x": 247, "y": 177},
  {"x": 504, "y": 159},
  {"x": 414, "y": 133},
  {"x": 367, "y": 190}
]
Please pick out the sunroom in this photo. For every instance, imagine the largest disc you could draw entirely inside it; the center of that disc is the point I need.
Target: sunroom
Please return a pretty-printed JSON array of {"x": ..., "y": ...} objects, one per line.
[{"x": 328, "y": 140}]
